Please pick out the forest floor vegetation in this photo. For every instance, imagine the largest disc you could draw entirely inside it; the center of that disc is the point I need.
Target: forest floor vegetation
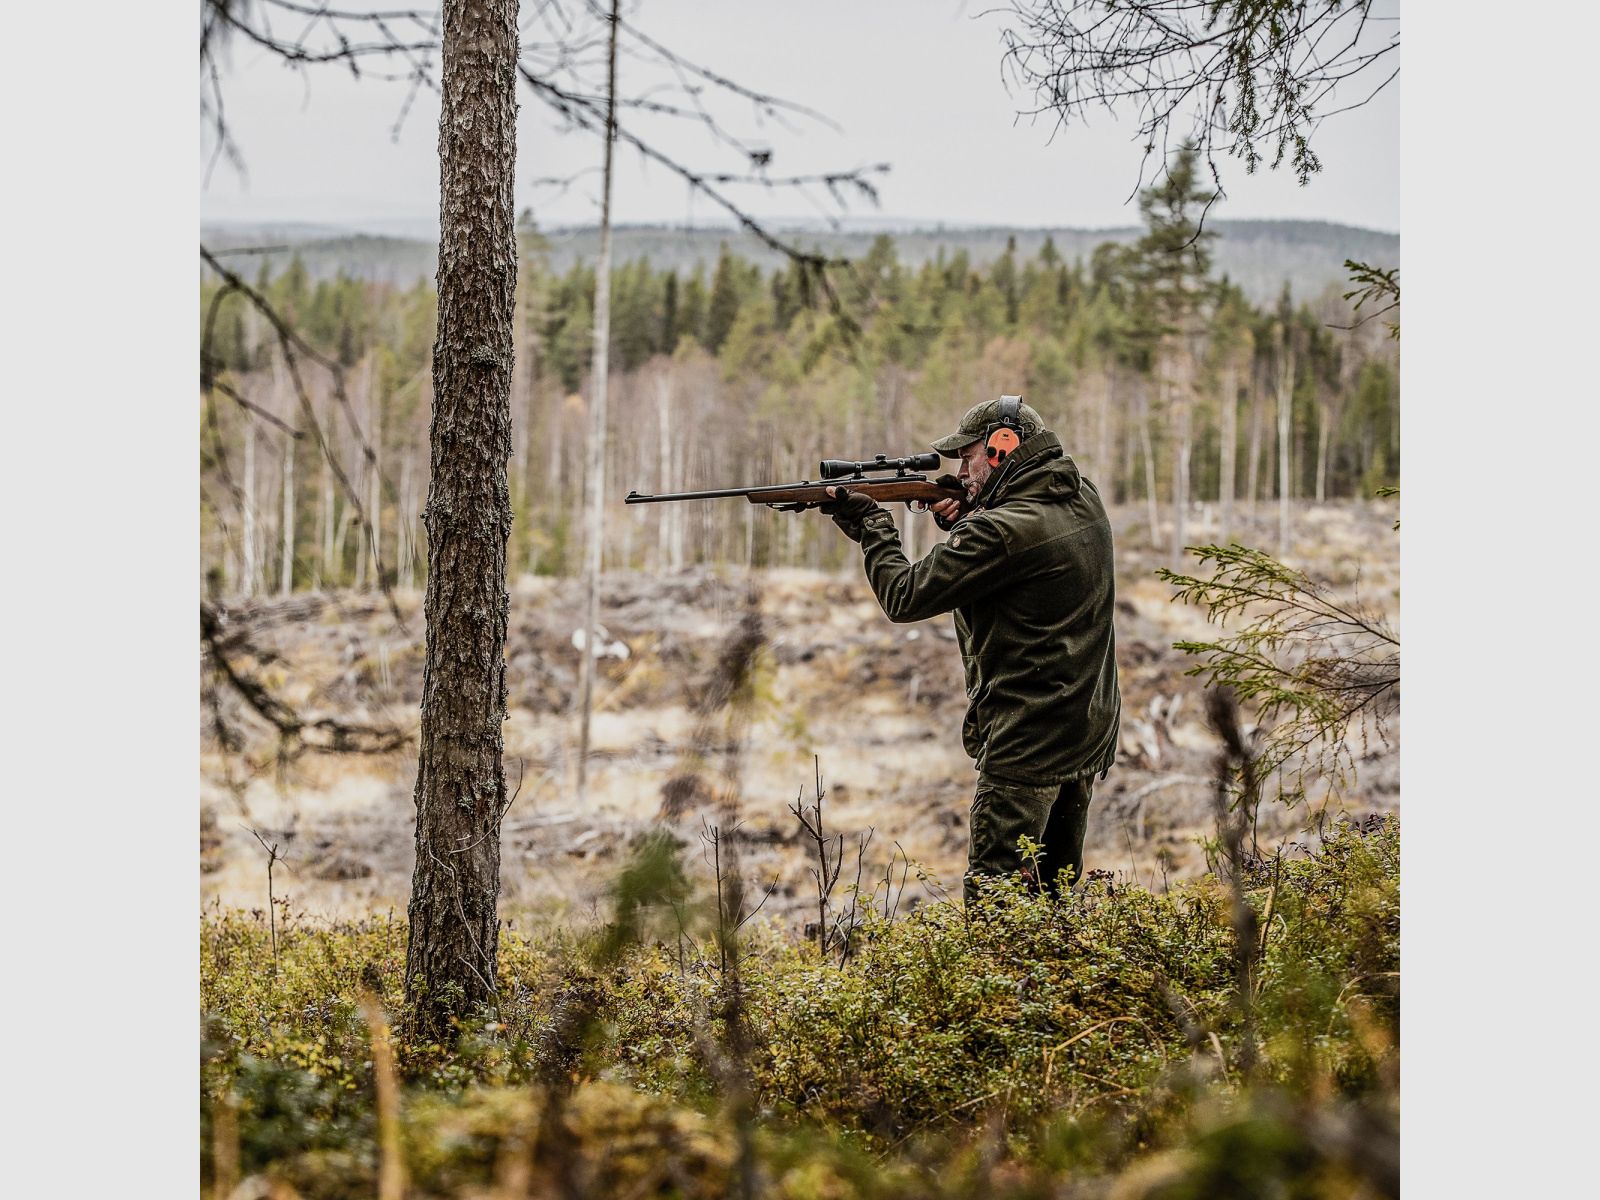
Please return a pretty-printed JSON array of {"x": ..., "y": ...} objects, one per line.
[{"x": 1095, "y": 1045}]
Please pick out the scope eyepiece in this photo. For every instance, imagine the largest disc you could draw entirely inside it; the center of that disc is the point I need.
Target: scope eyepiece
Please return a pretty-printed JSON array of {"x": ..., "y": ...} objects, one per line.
[{"x": 837, "y": 468}]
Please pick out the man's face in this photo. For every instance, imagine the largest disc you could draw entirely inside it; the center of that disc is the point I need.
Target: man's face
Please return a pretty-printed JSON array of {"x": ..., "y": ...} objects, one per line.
[{"x": 975, "y": 469}]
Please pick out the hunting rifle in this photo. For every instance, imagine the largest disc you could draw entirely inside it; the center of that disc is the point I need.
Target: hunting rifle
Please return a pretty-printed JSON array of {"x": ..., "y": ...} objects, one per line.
[{"x": 869, "y": 478}]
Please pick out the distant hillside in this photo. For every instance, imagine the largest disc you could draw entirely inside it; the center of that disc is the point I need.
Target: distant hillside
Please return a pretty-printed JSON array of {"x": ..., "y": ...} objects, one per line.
[{"x": 1258, "y": 255}]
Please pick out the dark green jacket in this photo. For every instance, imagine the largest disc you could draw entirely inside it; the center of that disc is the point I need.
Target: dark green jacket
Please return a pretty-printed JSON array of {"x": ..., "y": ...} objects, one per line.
[{"x": 1029, "y": 577}]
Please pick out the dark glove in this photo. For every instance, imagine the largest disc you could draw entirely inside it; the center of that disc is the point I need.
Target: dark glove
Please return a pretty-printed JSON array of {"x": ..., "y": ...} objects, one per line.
[{"x": 850, "y": 512}]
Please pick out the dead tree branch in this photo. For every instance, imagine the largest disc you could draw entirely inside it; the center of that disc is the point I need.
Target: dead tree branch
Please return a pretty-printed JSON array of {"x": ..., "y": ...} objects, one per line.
[
  {"x": 224, "y": 645},
  {"x": 1242, "y": 78}
]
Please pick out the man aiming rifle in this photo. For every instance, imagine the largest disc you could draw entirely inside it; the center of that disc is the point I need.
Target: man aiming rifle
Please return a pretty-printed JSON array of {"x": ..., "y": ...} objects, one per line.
[{"x": 1027, "y": 572}]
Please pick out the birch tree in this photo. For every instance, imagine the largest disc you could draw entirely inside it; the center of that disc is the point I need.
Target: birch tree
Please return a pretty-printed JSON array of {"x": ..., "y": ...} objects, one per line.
[
  {"x": 594, "y": 540},
  {"x": 247, "y": 514},
  {"x": 1283, "y": 355},
  {"x": 286, "y": 561},
  {"x": 1231, "y": 344}
]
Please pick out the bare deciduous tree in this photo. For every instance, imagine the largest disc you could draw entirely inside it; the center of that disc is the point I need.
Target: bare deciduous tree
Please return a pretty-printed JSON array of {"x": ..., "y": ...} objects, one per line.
[{"x": 594, "y": 545}]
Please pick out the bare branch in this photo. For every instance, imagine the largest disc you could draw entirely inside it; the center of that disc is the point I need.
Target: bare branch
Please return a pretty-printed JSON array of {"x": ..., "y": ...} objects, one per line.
[
  {"x": 295, "y": 731},
  {"x": 1245, "y": 77}
]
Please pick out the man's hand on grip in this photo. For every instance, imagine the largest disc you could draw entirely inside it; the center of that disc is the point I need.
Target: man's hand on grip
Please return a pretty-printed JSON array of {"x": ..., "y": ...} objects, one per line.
[{"x": 947, "y": 512}]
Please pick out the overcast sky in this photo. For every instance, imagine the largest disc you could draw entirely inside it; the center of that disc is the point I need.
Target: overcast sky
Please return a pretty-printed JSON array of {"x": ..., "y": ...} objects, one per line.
[{"x": 915, "y": 83}]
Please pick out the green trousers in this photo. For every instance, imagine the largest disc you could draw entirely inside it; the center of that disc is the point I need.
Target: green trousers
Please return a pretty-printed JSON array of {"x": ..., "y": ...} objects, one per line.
[{"x": 1056, "y": 815}]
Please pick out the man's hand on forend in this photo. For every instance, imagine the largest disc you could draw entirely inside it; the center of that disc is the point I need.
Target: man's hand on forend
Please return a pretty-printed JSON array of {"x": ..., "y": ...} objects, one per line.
[{"x": 849, "y": 511}]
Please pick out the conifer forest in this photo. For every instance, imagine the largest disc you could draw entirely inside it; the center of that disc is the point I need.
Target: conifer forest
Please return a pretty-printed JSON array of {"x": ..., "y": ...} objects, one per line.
[
  {"x": 1161, "y": 422},
  {"x": 552, "y": 845}
]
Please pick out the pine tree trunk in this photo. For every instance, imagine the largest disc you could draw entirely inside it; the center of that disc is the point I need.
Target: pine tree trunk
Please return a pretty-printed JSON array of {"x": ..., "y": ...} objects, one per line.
[
  {"x": 452, "y": 950},
  {"x": 594, "y": 540}
]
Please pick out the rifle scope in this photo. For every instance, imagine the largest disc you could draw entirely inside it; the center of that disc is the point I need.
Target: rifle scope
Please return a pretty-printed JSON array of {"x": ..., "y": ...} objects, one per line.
[{"x": 837, "y": 468}]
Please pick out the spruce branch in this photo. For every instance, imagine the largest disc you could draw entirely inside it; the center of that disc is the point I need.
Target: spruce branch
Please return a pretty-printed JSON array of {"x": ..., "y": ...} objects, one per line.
[{"x": 1315, "y": 666}]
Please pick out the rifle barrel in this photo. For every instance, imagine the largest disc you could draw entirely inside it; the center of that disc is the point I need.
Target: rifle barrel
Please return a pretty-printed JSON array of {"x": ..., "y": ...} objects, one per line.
[{"x": 715, "y": 494}]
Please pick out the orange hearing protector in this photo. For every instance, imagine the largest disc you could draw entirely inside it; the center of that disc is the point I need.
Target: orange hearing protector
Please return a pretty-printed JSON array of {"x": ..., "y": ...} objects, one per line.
[{"x": 1005, "y": 435}]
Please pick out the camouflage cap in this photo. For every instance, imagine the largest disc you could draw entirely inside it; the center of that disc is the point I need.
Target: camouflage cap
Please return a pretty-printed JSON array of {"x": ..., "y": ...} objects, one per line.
[{"x": 979, "y": 417}]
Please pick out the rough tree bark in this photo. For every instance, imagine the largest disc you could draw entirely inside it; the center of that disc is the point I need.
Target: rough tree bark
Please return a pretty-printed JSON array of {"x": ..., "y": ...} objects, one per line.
[{"x": 453, "y": 944}]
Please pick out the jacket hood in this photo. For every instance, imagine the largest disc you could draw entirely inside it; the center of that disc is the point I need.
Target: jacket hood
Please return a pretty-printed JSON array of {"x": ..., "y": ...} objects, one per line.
[{"x": 1035, "y": 470}]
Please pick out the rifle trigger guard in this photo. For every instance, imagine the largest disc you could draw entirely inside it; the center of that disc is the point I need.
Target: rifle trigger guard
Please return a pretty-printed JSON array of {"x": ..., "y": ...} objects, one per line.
[{"x": 796, "y": 507}]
